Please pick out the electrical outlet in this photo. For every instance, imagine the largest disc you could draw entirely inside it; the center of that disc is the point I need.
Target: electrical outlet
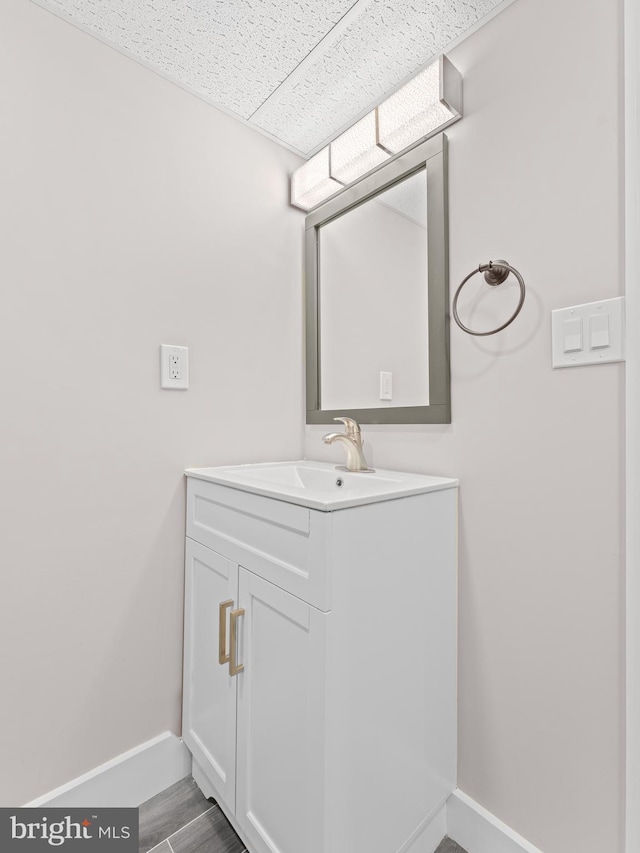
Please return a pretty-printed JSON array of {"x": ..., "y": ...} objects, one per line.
[
  {"x": 174, "y": 367},
  {"x": 386, "y": 385}
]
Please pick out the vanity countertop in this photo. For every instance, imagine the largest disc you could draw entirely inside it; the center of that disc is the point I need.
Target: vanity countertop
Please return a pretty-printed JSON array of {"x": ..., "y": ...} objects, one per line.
[{"x": 321, "y": 485}]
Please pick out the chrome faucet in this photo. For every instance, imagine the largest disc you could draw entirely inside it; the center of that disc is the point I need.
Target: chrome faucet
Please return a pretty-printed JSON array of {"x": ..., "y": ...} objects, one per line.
[{"x": 351, "y": 438}]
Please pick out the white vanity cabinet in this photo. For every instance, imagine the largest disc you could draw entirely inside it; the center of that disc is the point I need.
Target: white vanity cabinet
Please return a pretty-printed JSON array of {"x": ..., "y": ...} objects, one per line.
[
  {"x": 257, "y": 737},
  {"x": 337, "y": 731}
]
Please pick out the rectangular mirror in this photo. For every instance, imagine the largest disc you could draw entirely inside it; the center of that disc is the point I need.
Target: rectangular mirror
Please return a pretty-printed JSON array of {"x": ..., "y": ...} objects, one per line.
[{"x": 377, "y": 330}]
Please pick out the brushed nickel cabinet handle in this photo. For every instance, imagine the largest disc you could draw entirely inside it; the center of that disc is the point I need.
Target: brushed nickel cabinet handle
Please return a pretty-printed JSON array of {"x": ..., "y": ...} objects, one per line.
[
  {"x": 234, "y": 666},
  {"x": 223, "y": 654}
]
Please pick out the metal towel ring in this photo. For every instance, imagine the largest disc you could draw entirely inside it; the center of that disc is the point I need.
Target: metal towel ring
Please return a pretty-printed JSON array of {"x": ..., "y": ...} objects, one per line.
[{"x": 495, "y": 272}]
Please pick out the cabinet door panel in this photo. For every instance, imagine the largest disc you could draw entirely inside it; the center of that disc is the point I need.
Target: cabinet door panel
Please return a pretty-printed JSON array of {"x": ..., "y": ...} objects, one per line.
[
  {"x": 209, "y": 713},
  {"x": 280, "y": 793}
]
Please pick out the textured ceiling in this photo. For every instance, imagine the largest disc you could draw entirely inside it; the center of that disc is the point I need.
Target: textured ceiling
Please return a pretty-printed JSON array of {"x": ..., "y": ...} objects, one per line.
[{"x": 298, "y": 70}]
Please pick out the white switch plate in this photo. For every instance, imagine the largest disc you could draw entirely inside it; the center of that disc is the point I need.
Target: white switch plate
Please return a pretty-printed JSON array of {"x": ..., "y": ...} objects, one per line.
[
  {"x": 592, "y": 333},
  {"x": 174, "y": 367}
]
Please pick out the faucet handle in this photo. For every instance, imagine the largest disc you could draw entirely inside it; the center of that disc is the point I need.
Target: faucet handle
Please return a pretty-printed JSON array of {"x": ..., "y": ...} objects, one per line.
[{"x": 351, "y": 427}]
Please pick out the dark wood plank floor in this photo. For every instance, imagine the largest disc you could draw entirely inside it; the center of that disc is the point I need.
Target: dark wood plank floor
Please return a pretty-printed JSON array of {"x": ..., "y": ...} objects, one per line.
[{"x": 180, "y": 820}]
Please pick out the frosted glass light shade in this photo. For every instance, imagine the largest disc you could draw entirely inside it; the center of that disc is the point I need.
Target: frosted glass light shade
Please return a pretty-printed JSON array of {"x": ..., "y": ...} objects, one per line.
[
  {"x": 356, "y": 151},
  {"x": 312, "y": 183},
  {"x": 422, "y": 106}
]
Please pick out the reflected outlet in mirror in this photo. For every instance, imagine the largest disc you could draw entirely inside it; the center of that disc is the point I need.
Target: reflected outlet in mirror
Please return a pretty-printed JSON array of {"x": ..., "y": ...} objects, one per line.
[{"x": 374, "y": 307}]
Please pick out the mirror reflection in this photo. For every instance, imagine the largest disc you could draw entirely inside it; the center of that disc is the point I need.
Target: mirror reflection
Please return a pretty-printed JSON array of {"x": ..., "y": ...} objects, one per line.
[
  {"x": 373, "y": 306},
  {"x": 376, "y": 306}
]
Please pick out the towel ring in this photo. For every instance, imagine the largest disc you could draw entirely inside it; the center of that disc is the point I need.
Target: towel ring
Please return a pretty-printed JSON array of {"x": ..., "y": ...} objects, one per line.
[{"x": 495, "y": 272}]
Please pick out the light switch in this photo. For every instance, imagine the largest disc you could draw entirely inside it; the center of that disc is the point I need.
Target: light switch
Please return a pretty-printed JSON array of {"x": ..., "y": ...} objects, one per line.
[
  {"x": 599, "y": 330},
  {"x": 572, "y": 332},
  {"x": 592, "y": 333}
]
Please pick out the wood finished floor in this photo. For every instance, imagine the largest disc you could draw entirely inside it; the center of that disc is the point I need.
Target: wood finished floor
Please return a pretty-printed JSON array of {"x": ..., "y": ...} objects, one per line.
[{"x": 180, "y": 820}]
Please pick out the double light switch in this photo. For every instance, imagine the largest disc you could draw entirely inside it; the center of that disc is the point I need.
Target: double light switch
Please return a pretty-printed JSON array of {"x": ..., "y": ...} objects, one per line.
[{"x": 592, "y": 333}]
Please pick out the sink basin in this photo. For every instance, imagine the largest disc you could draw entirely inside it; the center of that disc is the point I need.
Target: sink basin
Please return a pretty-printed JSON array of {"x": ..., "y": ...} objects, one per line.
[{"x": 320, "y": 485}]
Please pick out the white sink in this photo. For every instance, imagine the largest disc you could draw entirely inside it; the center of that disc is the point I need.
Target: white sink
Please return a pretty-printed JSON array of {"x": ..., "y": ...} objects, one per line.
[{"x": 320, "y": 485}]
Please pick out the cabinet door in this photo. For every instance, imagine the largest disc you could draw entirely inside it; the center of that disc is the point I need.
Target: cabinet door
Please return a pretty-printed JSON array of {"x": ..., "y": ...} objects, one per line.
[
  {"x": 209, "y": 711},
  {"x": 281, "y": 697}
]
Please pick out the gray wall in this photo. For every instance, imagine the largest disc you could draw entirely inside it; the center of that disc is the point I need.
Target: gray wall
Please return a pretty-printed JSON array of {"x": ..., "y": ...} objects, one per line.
[
  {"x": 131, "y": 215},
  {"x": 535, "y": 177}
]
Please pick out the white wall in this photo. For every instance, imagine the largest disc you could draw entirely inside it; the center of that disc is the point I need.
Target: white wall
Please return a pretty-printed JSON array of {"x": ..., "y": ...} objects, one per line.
[
  {"x": 131, "y": 215},
  {"x": 134, "y": 215},
  {"x": 535, "y": 177}
]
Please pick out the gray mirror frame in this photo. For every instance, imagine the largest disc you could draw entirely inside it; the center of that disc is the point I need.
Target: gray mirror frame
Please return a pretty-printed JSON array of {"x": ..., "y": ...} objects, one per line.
[{"x": 431, "y": 155}]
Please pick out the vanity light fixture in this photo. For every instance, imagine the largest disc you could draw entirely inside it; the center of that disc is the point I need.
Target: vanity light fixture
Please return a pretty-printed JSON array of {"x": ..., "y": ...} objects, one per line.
[
  {"x": 425, "y": 105},
  {"x": 312, "y": 183},
  {"x": 357, "y": 151}
]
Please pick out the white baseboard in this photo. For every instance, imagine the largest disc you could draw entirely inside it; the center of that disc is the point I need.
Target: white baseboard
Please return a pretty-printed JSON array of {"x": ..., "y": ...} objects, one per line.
[
  {"x": 139, "y": 774},
  {"x": 429, "y": 837},
  {"x": 478, "y": 831},
  {"x": 127, "y": 780}
]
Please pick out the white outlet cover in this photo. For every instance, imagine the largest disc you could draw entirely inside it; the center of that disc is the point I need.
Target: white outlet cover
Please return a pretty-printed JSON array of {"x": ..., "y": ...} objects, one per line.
[
  {"x": 174, "y": 357},
  {"x": 386, "y": 385}
]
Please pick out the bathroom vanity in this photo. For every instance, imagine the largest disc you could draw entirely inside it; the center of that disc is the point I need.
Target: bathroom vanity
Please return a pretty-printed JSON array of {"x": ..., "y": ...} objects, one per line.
[{"x": 320, "y": 654}]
